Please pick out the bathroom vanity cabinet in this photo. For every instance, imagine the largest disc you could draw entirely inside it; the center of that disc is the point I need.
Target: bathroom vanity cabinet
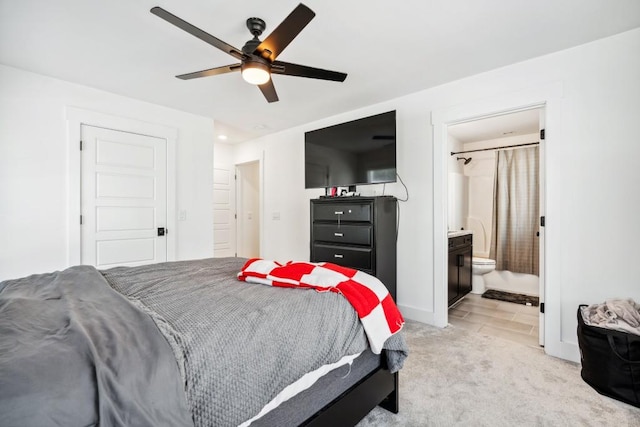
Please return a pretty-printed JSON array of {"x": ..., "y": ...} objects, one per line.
[
  {"x": 357, "y": 232},
  {"x": 460, "y": 259}
]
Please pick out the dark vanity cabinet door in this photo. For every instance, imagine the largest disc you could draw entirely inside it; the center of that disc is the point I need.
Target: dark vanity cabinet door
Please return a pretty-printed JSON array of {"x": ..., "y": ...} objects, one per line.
[
  {"x": 459, "y": 267},
  {"x": 452, "y": 279},
  {"x": 464, "y": 270}
]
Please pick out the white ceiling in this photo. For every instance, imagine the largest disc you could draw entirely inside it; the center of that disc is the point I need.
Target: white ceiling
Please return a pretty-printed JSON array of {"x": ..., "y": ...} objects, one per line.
[
  {"x": 501, "y": 126},
  {"x": 388, "y": 49}
]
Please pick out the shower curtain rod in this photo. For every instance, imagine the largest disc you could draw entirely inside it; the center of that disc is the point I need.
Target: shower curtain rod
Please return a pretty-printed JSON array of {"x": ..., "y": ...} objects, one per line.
[{"x": 495, "y": 148}]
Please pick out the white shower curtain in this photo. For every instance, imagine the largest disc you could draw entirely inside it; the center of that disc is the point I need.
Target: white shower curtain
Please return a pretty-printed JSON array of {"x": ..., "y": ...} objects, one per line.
[{"x": 514, "y": 240}]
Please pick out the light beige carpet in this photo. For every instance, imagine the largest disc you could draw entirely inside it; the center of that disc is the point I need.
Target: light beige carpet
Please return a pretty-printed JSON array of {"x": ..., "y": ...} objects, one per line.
[{"x": 458, "y": 377}]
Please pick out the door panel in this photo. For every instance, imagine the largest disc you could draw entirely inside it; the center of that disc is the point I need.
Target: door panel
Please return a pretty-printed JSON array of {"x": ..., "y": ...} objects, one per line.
[
  {"x": 114, "y": 218},
  {"x": 124, "y": 198},
  {"x": 125, "y": 251},
  {"x": 125, "y": 186}
]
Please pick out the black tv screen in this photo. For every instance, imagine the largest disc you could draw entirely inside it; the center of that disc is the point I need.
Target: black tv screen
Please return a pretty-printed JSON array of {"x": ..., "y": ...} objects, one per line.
[{"x": 359, "y": 152}]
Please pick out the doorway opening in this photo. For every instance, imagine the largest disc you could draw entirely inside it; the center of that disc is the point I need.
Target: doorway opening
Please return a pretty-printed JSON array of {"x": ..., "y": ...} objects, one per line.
[
  {"x": 248, "y": 212},
  {"x": 481, "y": 202}
]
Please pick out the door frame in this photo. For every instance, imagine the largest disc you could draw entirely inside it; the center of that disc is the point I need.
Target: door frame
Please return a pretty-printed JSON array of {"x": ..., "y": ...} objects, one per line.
[
  {"x": 75, "y": 118},
  {"x": 547, "y": 97},
  {"x": 541, "y": 198}
]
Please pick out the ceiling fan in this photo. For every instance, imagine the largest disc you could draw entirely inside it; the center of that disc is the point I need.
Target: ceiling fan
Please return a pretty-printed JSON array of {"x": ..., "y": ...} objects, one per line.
[{"x": 258, "y": 58}]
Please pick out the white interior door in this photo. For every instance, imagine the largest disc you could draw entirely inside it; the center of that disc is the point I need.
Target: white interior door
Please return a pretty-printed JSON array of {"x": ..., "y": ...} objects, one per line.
[
  {"x": 248, "y": 209},
  {"x": 123, "y": 198},
  {"x": 223, "y": 216}
]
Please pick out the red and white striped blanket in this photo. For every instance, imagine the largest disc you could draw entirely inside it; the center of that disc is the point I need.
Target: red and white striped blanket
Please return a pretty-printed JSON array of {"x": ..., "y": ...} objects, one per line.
[{"x": 369, "y": 297}]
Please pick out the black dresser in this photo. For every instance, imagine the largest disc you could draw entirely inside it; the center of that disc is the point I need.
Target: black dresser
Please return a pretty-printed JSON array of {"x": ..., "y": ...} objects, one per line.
[{"x": 357, "y": 232}]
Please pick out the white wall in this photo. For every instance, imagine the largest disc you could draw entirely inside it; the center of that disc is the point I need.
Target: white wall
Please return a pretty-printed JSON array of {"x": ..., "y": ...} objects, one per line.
[
  {"x": 458, "y": 205},
  {"x": 34, "y": 169},
  {"x": 592, "y": 225}
]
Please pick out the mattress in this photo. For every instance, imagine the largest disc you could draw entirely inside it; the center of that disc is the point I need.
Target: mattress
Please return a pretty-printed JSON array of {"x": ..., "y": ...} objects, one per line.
[{"x": 309, "y": 401}]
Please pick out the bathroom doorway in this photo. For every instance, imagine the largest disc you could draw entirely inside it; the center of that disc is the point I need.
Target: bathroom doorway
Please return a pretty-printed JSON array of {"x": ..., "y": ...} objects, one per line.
[{"x": 485, "y": 156}]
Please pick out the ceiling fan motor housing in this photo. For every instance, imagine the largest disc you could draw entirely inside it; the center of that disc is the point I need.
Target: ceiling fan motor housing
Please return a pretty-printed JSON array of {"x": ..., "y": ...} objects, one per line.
[
  {"x": 256, "y": 26},
  {"x": 250, "y": 46}
]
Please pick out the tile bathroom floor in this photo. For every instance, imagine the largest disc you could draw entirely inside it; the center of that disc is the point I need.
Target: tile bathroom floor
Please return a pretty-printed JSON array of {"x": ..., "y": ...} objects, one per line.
[{"x": 514, "y": 322}]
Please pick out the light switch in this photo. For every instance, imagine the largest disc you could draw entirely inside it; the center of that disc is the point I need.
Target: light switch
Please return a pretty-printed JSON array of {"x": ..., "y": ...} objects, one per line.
[
  {"x": 275, "y": 216},
  {"x": 182, "y": 215}
]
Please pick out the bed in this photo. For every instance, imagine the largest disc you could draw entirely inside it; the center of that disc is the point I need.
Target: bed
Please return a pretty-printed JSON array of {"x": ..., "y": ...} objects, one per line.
[{"x": 185, "y": 343}]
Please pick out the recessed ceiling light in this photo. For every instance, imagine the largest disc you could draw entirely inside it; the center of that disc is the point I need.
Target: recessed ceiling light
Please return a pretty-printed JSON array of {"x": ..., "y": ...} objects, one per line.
[{"x": 222, "y": 137}]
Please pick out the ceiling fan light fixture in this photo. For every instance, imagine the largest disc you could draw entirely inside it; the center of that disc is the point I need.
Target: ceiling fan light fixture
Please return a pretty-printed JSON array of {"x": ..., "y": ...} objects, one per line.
[
  {"x": 255, "y": 72},
  {"x": 257, "y": 59}
]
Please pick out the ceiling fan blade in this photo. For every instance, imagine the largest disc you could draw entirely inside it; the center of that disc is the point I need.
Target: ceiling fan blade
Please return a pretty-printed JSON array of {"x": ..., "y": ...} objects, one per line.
[
  {"x": 210, "y": 72},
  {"x": 195, "y": 31},
  {"x": 288, "y": 29},
  {"x": 290, "y": 69},
  {"x": 269, "y": 91}
]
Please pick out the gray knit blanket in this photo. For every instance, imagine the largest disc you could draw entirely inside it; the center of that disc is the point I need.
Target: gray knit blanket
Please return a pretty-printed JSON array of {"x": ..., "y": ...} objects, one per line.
[
  {"x": 74, "y": 352},
  {"x": 232, "y": 339}
]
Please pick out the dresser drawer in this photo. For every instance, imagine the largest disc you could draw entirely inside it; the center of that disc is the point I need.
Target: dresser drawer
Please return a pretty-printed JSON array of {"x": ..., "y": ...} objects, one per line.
[
  {"x": 351, "y": 234},
  {"x": 358, "y": 258},
  {"x": 342, "y": 212}
]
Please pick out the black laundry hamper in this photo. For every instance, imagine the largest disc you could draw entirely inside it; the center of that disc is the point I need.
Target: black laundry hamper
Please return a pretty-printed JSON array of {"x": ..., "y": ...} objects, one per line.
[{"x": 610, "y": 361}]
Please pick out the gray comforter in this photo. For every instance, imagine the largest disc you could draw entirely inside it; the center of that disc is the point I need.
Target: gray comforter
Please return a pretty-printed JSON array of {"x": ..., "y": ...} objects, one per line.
[
  {"x": 75, "y": 352},
  {"x": 233, "y": 339}
]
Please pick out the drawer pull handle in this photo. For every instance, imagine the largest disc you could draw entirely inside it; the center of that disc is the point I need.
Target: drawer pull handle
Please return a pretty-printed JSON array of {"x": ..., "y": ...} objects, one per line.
[
  {"x": 338, "y": 256},
  {"x": 339, "y": 212},
  {"x": 338, "y": 234}
]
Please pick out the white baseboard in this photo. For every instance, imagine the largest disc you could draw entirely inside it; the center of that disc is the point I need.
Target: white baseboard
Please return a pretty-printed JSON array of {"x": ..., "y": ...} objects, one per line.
[
  {"x": 563, "y": 350},
  {"x": 419, "y": 315}
]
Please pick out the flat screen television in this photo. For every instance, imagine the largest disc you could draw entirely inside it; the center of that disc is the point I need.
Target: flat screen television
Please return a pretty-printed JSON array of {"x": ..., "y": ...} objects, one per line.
[{"x": 358, "y": 152}]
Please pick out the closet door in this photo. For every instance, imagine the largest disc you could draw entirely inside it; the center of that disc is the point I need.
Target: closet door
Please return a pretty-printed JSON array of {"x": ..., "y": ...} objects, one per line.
[{"x": 124, "y": 198}]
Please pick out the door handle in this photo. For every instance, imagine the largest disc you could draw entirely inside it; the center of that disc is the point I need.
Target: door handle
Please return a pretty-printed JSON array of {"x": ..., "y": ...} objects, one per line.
[{"x": 162, "y": 231}]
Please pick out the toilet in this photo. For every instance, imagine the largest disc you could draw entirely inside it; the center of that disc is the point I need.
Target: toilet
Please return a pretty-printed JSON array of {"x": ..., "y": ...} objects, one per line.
[
  {"x": 479, "y": 264},
  {"x": 480, "y": 267}
]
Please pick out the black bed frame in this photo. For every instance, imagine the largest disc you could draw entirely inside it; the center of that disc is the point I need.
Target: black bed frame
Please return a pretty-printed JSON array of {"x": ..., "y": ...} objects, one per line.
[{"x": 379, "y": 387}]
